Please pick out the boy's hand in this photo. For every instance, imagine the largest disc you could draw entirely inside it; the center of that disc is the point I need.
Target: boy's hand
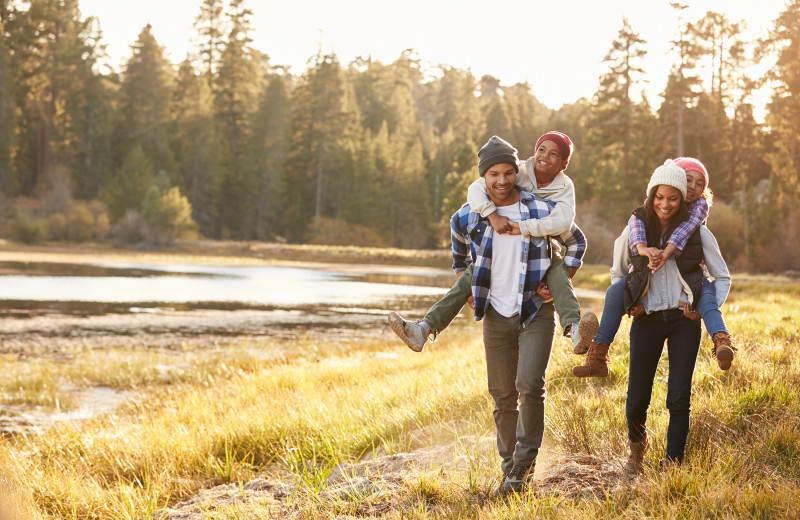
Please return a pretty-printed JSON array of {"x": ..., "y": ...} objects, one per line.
[
  {"x": 544, "y": 292},
  {"x": 500, "y": 224},
  {"x": 514, "y": 228},
  {"x": 471, "y": 302}
]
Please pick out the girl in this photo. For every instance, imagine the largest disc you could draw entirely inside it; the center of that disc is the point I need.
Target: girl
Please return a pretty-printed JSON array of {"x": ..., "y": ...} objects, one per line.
[{"x": 698, "y": 198}]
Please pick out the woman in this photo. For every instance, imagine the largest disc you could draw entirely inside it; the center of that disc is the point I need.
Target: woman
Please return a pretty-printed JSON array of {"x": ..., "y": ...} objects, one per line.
[{"x": 663, "y": 304}]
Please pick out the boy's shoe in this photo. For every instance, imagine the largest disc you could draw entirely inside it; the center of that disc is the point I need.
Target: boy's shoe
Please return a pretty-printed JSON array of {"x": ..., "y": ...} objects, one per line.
[
  {"x": 410, "y": 332},
  {"x": 584, "y": 332},
  {"x": 723, "y": 350},
  {"x": 596, "y": 362},
  {"x": 516, "y": 481}
]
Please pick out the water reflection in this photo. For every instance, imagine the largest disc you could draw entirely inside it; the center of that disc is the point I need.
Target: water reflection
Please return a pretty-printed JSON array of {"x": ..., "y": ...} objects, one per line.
[{"x": 84, "y": 289}]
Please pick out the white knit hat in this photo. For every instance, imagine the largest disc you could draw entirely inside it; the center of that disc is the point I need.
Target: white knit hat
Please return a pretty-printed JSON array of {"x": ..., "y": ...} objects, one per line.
[{"x": 670, "y": 174}]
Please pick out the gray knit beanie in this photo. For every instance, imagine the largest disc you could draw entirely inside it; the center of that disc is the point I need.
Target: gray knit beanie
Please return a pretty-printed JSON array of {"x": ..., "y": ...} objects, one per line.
[
  {"x": 670, "y": 174},
  {"x": 496, "y": 151}
]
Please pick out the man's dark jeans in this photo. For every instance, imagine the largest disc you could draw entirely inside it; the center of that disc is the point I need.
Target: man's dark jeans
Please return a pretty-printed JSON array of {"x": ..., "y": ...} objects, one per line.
[{"x": 648, "y": 333}]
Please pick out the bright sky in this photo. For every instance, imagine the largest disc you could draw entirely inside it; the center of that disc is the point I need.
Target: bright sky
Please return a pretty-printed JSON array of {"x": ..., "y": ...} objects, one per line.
[{"x": 558, "y": 47}]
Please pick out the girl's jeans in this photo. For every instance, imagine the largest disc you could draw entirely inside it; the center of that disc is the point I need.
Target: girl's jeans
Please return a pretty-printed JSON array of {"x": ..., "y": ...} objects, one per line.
[{"x": 614, "y": 309}]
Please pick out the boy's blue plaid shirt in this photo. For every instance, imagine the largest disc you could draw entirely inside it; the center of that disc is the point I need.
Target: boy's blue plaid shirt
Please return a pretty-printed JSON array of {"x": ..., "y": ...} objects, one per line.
[{"x": 472, "y": 235}]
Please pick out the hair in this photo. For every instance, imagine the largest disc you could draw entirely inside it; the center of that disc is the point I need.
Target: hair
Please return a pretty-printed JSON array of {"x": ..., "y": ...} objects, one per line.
[
  {"x": 651, "y": 219},
  {"x": 708, "y": 195}
]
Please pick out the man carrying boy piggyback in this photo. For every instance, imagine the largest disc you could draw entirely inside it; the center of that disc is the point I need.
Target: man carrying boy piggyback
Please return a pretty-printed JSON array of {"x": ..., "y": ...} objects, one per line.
[
  {"x": 542, "y": 175},
  {"x": 518, "y": 325}
]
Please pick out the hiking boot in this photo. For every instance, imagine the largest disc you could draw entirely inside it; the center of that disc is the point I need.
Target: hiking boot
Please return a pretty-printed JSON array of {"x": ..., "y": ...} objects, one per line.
[
  {"x": 516, "y": 481},
  {"x": 583, "y": 332},
  {"x": 411, "y": 332},
  {"x": 636, "y": 458},
  {"x": 723, "y": 350},
  {"x": 596, "y": 362}
]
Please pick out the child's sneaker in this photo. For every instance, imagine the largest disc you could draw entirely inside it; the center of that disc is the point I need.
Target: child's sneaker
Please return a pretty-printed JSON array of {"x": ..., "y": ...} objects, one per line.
[
  {"x": 723, "y": 350},
  {"x": 411, "y": 332},
  {"x": 583, "y": 332}
]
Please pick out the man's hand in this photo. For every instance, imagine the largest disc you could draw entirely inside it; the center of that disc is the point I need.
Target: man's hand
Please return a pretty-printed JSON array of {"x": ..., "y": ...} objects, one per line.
[
  {"x": 501, "y": 224},
  {"x": 544, "y": 292},
  {"x": 514, "y": 228},
  {"x": 471, "y": 299},
  {"x": 689, "y": 313},
  {"x": 636, "y": 311}
]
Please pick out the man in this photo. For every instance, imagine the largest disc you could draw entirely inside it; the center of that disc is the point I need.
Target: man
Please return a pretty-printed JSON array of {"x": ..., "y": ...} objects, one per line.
[{"x": 518, "y": 327}]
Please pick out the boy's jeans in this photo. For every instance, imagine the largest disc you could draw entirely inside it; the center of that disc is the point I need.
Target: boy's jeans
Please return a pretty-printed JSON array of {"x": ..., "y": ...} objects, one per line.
[{"x": 557, "y": 279}]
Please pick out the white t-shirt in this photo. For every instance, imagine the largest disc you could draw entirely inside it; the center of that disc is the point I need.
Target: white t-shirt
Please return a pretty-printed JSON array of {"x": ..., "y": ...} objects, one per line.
[{"x": 506, "y": 265}]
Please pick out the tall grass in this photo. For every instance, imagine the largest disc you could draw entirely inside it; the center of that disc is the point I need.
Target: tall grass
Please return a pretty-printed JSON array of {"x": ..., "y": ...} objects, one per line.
[{"x": 222, "y": 417}]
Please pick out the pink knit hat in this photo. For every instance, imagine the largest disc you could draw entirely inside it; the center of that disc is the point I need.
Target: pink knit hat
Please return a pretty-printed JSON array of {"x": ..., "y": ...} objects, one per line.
[
  {"x": 693, "y": 165},
  {"x": 563, "y": 142}
]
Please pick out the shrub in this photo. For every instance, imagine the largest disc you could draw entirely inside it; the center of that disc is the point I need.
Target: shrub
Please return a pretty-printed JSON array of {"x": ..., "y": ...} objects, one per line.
[
  {"x": 334, "y": 232},
  {"x": 80, "y": 222},
  {"x": 57, "y": 226},
  {"x": 131, "y": 229}
]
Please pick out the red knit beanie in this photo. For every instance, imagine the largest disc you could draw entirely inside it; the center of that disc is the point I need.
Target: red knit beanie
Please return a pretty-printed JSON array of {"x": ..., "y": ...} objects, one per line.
[
  {"x": 693, "y": 165},
  {"x": 562, "y": 141}
]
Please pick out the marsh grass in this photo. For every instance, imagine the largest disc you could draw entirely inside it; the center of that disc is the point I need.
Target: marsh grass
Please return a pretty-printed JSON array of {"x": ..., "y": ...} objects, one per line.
[{"x": 204, "y": 418}]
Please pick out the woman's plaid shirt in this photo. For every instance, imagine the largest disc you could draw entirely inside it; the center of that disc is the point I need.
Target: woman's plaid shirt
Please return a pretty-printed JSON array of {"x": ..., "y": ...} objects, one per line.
[{"x": 471, "y": 236}]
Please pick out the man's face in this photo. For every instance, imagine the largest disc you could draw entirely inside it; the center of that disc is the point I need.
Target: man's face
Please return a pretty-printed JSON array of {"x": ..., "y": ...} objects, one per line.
[
  {"x": 500, "y": 181},
  {"x": 548, "y": 159}
]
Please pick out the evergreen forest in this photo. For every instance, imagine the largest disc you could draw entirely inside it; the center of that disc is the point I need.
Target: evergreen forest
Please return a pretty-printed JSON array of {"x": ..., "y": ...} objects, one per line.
[{"x": 227, "y": 145}]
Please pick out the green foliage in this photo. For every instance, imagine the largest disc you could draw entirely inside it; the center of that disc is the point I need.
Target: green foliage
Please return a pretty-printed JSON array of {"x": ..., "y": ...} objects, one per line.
[
  {"x": 167, "y": 213},
  {"x": 260, "y": 152},
  {"x": 126, "y": 190}
]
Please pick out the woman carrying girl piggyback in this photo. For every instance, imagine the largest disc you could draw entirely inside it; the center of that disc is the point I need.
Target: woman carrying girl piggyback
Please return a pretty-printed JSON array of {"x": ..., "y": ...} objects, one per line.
[
  {"x": 665, "y": 298},
  {"x": 618, "y": 302}
]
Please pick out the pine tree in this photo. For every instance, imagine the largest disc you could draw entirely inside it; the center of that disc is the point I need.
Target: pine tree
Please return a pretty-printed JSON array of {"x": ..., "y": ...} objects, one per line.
[
  {"x": 145, "y": 103},
  {"x": 6, "y": 109},
  {"x": 127, "y": 188},
  {"x": 622, "y": 159},
  {"x": 783, "y": 116},
  {"x": 197, "y": 149},
  {"x": 265, "y": 172},
  {"x": 325, "y": 129},
  {"x": 235, "y": 97}
]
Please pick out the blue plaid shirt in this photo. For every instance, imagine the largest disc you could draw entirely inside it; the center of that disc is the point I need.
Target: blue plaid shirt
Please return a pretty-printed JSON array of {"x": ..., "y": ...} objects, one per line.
[{"x": 471, "y": 236}]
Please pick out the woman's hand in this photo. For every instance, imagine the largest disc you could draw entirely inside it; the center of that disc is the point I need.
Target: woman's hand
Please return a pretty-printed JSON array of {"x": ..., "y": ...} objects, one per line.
[
  {"x": 636, "y": 311},
  {"x": 689, "y": 313}
]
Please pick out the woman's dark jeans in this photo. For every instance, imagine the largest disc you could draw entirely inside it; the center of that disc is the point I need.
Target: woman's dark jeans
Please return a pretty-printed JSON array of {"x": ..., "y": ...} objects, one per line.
[{"x": 648, "y": 333}]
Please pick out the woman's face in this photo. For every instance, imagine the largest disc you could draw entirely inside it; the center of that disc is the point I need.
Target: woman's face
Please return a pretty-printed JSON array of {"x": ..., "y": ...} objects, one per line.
[
  {"x": 695, "y": 184},
  {"x": 666, "y": 202}
]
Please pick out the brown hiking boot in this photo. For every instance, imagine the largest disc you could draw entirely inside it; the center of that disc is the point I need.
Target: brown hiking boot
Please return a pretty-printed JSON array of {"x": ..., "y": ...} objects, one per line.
[
  {"x": 596, "y": 362},
  {"x": 723, "y": 350},
  {"x": 636, "y": 458}
]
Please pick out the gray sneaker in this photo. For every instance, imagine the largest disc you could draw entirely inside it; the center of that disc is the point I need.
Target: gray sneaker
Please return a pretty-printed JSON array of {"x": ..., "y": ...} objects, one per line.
[
  {"x": 584, "y": 332},
  {"x": 410, "y": 332}
]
